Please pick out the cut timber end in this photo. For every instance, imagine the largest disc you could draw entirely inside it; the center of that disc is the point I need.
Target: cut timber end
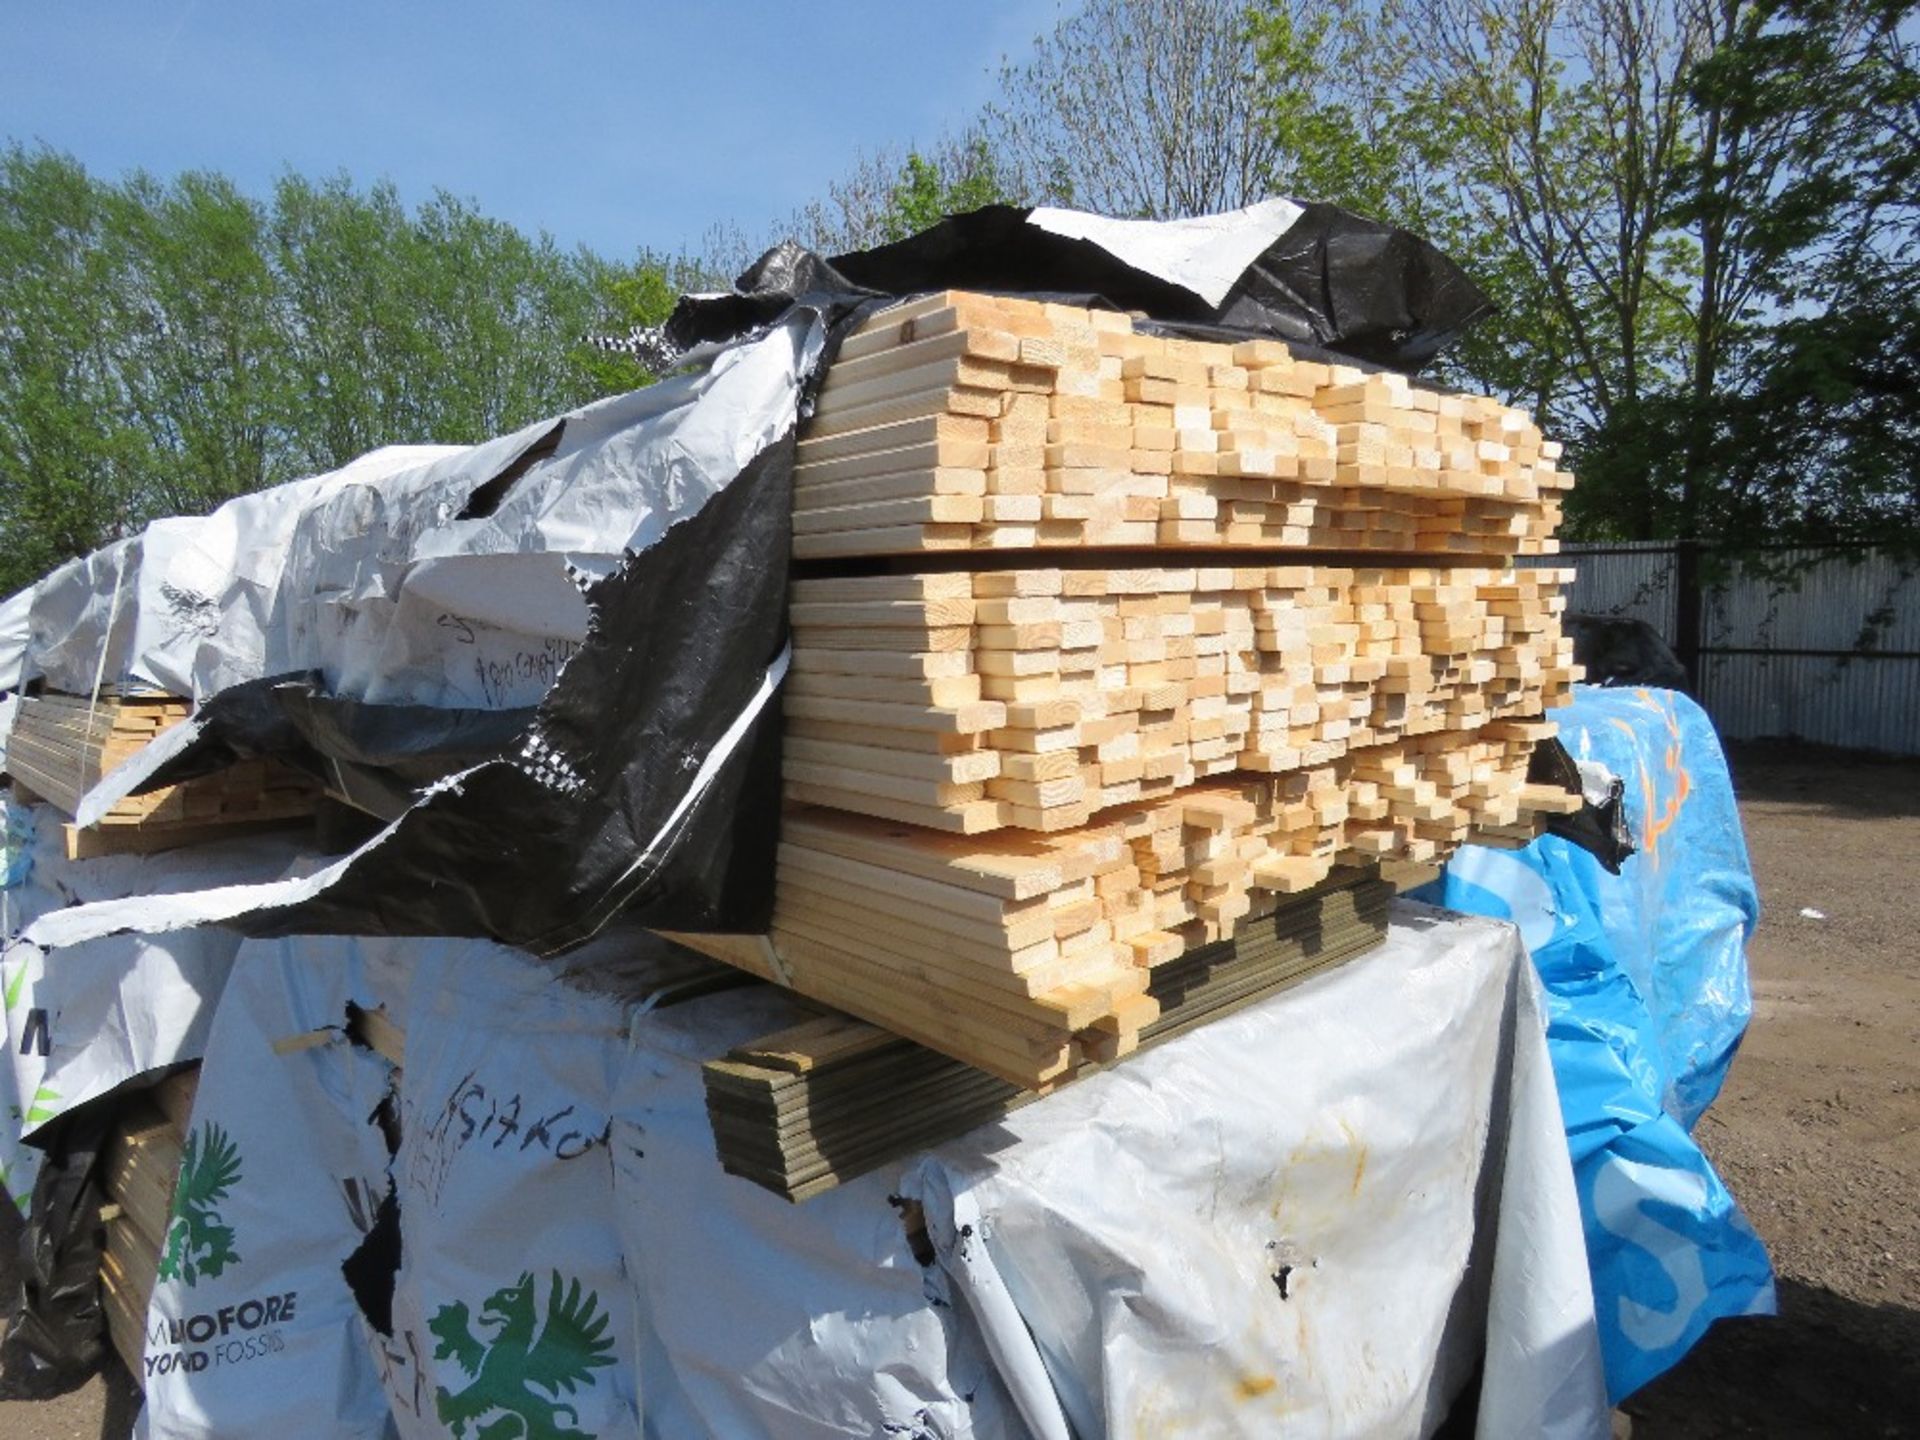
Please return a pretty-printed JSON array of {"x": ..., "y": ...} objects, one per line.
[{"x": 1080, "y": 432}]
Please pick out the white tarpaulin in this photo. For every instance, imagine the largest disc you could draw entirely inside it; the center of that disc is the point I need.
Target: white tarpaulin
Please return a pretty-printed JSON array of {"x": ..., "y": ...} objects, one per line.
[
  {"x": 1206, "y": 254},
  {"x": 85, "y": 1019},
  {"x": 511, "y": 1296},
  {"x": 764, "y": 1319},
  {"x": 252, "y": 1329},
  {"x": 1293, "y": 1221},
  {"x": 425, "y": 575},
  {"x": 1316, "y": 1216},
  {"x": 1309, "y": 1220}
]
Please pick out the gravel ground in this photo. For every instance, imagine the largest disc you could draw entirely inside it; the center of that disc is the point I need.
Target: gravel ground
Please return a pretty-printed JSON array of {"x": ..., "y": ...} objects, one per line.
[{"x": 1817, "y": 1131}]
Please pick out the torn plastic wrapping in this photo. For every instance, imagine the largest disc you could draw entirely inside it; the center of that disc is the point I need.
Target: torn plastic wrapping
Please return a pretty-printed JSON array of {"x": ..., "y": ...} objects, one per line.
[
  {"x": 190, "y": 605},
  {"x": 1310, "y": 274},
  {"x": 1381, "y": 1140},
  {"x": 79, "y": 1029},
  {"x": 505, "y": 1196},
  {"x": 57, "y": 1337},
  {"x": 1599, "y": 826},
  {"x": 253, "y": 1328},
  {"x": 1648, "y": 998},
  {"x": 642, "y": 779},
  {"x": 1217, "y": 1225},
  {"x": 379, "y": 757},
  {"x": 83, "y": 1022},
  {"x": 762, "y": 1320},
  {"x": 1142, "y": 1227},
  {"x": 544, "y": 847}
]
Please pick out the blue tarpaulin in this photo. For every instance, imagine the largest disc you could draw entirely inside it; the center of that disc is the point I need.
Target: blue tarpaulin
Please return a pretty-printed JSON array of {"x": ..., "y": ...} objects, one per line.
[{"x": 1646, "y": 978}]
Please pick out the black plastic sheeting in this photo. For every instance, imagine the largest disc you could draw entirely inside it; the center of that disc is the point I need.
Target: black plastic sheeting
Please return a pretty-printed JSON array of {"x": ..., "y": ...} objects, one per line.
[
  {"x": 553, "y": 822},
  {"x": 541, "y": 847},
  {"x": 379, "y": 757},
  {"x": 582, "y": 818},
  {"x": 786, "y": 276},
  {"x": 1334, "y": 281},
  {"x": 1601, "y": 830},
  {"x": 57, "y": 1337},
  {"x": 1616, "y": 650}
]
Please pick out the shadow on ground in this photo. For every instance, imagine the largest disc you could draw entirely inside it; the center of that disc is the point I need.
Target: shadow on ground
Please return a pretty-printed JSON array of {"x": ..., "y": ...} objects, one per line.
[{"x": 1826, "y": 1365}]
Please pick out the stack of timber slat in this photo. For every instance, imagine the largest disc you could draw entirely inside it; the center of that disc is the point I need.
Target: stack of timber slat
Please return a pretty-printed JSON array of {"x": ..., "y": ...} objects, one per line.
[
  {"x": 61, "y": 746},
  {"x": 1038, "y": 698},
  {"x": 142, "y": 1166},
  {"x": 813, "y": 1106},
  {"x": 1104, "y": 642},
  {"x": 963, "y": 422}
]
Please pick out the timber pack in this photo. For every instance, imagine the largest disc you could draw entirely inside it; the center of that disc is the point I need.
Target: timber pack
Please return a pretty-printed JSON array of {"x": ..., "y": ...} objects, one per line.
[
  {"x": 1112, "y": 652},
  {"x": 63, "y": 745}
]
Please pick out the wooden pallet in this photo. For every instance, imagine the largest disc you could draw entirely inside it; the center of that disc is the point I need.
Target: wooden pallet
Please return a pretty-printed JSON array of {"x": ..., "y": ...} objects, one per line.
[{"x": 959, "y": 422}]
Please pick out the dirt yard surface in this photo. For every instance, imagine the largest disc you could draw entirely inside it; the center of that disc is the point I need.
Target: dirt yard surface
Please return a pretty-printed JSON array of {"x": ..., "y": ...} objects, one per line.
[{"x": 1817, "y": 1131}]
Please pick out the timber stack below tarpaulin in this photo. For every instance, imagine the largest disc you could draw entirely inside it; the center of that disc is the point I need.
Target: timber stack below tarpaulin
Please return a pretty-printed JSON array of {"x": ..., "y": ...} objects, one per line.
[
  {"x": 1105, "y": 643},
  {"x": 61, "y": 746}
]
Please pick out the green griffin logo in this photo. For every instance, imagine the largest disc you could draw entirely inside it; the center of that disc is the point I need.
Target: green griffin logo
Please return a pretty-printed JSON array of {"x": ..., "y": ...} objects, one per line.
[
  {"x": 506, "y": 1370},
  {"x": 197, "y": 1243}
]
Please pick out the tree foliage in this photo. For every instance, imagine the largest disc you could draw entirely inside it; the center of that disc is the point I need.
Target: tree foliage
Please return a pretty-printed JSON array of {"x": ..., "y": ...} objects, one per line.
[
  {"x": 1816, "y": 427},
  {"x": 1137, "y": 108},
  {"x": 165, "y": 345},
  {"x": 1695, "y": 216},
  {"x": 890, "y": 194},
  {"x": 70, "y": 453}
]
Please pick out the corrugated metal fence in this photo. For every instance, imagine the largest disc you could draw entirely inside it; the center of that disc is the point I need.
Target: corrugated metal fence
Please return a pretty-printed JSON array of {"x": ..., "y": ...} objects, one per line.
[{"x": 1820, "y": 645}]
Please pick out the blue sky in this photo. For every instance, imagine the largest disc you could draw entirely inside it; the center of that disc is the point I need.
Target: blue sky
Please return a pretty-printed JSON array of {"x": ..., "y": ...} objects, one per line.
[{"x": 617, "y": 125}]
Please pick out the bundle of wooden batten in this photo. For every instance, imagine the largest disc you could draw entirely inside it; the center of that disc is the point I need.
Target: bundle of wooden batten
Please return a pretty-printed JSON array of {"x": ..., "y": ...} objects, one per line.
[
  {"x": 1289, "y": 633},
  {"x": 964, "y": 422},
  {"x": 141, "y": 1169},
  {"x": 1037, "y": 698},
  {"x": 61, "y": 746},
  {"x": 809, "y": 1107}
]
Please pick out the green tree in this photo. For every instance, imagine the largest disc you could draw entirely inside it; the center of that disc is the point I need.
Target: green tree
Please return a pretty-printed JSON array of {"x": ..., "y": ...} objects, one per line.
[
  {"x": 889, "y": 195},
  {"x": 1694, "y": 216},
  {"x": 197, "y": 345},
  {"x": 1138, "y": 108},
  {"x": 165, "y": 345},
  {"x": 347, "y": 306},
  {"x": 1810, "y": 181},
  {"x": 927, "y": 191},
  {"x": 70, "y": 458},
  {"x": 439, "y": 325}
]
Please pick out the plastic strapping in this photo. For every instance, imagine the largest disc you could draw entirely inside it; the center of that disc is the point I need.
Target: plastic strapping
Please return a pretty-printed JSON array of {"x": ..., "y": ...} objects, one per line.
[{"x": 100, "y": 673}]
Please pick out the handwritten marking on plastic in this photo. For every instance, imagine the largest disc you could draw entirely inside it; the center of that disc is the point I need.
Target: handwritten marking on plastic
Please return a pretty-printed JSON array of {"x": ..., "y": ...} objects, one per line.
[
  {"x": 474, "y": 1117},
  {"x": 505, "y": 682}
]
